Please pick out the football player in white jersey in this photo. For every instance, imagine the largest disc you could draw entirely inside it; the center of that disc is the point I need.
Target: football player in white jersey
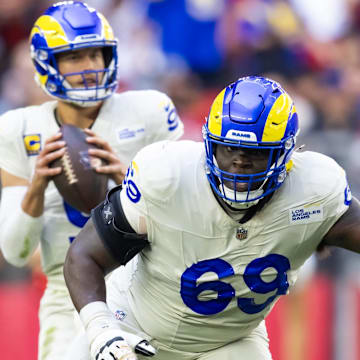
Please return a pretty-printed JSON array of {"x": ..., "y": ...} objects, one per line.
[
  {"x": 75, "y": 57},
  {"x": 221, "y": 231}
]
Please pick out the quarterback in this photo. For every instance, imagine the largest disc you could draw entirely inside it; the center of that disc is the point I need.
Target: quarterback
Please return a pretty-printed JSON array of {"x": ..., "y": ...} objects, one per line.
[
  {"x": 75, "y": 57},
  {"x": 221, "y": 231}
]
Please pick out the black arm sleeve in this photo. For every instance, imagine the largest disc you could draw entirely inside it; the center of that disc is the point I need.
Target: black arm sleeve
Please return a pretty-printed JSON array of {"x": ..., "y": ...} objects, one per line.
[{"x": 114, "y": 229}]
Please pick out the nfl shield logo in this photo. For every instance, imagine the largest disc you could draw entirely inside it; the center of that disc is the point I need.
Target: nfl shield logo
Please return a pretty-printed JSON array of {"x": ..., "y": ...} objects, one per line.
[
  {"x": 120, "y": 315},
  {"x": 241, "y": 233}
]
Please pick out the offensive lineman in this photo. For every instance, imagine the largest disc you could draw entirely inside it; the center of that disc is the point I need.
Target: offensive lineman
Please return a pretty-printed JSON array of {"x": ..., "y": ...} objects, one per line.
[
  {"x": 221, "y": 233},
  {"x": 75, "y": 57}
]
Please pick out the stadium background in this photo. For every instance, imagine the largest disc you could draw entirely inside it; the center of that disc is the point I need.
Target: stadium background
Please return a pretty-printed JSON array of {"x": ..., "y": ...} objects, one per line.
[{"x": 191, "y": 49}]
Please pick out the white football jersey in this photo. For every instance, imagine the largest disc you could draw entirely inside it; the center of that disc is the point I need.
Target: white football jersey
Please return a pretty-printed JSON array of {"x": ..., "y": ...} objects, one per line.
[
  {"x": 207, "y": 280},
  {"x": 128, "y": 121}
]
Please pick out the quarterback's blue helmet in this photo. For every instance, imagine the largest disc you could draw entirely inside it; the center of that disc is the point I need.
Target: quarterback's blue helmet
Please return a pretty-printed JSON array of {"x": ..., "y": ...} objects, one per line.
[
  {"x": 67, "y": 26},
  {"x": 252, "y": 113}
]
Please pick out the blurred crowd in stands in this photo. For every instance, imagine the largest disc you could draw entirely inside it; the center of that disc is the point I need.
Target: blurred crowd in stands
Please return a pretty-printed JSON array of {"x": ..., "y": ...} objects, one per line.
[{"x": 191, "y": 49}]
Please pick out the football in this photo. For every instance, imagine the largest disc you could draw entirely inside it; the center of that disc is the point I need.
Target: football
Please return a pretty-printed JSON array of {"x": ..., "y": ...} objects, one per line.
[{"x": 78, "y": 183}]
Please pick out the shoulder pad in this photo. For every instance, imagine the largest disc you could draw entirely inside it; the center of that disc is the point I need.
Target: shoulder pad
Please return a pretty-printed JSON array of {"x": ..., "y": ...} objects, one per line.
[{"x": 115, "y": 231}]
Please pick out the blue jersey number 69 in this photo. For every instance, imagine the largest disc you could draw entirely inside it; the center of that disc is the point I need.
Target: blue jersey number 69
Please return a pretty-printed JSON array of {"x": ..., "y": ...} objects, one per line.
[{"x": 252, "y": 276}]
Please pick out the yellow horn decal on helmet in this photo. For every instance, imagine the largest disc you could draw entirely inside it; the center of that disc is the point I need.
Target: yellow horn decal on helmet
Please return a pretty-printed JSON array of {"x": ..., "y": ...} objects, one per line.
[
  {"x": 277, "y": 119},
  {"x": 215, "y": 117},
  {"x": 34, "y": 30},
  {"x": 52, "y": 31},
  {"x": 42, "y": 78},
  {"x": 289, "y": 165},
  {"x": 107, "y": 31}
]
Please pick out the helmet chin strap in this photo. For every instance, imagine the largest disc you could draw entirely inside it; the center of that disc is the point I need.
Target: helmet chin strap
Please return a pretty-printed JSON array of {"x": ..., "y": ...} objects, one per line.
[
  {"x": 81, "y": 97},
  {"x": 240, "y": 196}
]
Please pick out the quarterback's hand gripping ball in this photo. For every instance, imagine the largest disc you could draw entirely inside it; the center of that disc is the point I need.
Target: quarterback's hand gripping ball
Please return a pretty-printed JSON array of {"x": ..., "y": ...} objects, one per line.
[{"x": 78, "y": 183}]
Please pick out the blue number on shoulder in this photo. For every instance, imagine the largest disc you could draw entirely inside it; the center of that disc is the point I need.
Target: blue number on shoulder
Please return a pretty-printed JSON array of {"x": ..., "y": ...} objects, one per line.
[
  {"x": 132, "y": 191},
  {"x": 190, "y": 291},
  {"x": 75, "y": 217},
  {"x": 347, "y": 195},
  {"x": 173, "y": 119},
  {"x": 252, "y": 278}
]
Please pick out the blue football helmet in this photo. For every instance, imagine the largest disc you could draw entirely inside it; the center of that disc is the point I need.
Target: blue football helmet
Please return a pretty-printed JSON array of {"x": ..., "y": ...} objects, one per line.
[
  {"x": 67, "y": 26},
  {"x": 252, "y": 113}
]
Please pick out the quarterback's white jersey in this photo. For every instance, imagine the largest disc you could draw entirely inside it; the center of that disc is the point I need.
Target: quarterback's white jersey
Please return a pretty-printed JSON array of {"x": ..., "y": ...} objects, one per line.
[
  {"x": 206, "y": 280},
  {"x": 127, "y": 121}
]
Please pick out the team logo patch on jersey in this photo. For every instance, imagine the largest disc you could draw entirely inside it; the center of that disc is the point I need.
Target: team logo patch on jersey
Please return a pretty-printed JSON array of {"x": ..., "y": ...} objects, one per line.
[
  {"x": 129, "y": 133},
  {"x": 32, "y": 144},
  {"x": 306, "y": 214},
  {"x": 241, "y": 233}
]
